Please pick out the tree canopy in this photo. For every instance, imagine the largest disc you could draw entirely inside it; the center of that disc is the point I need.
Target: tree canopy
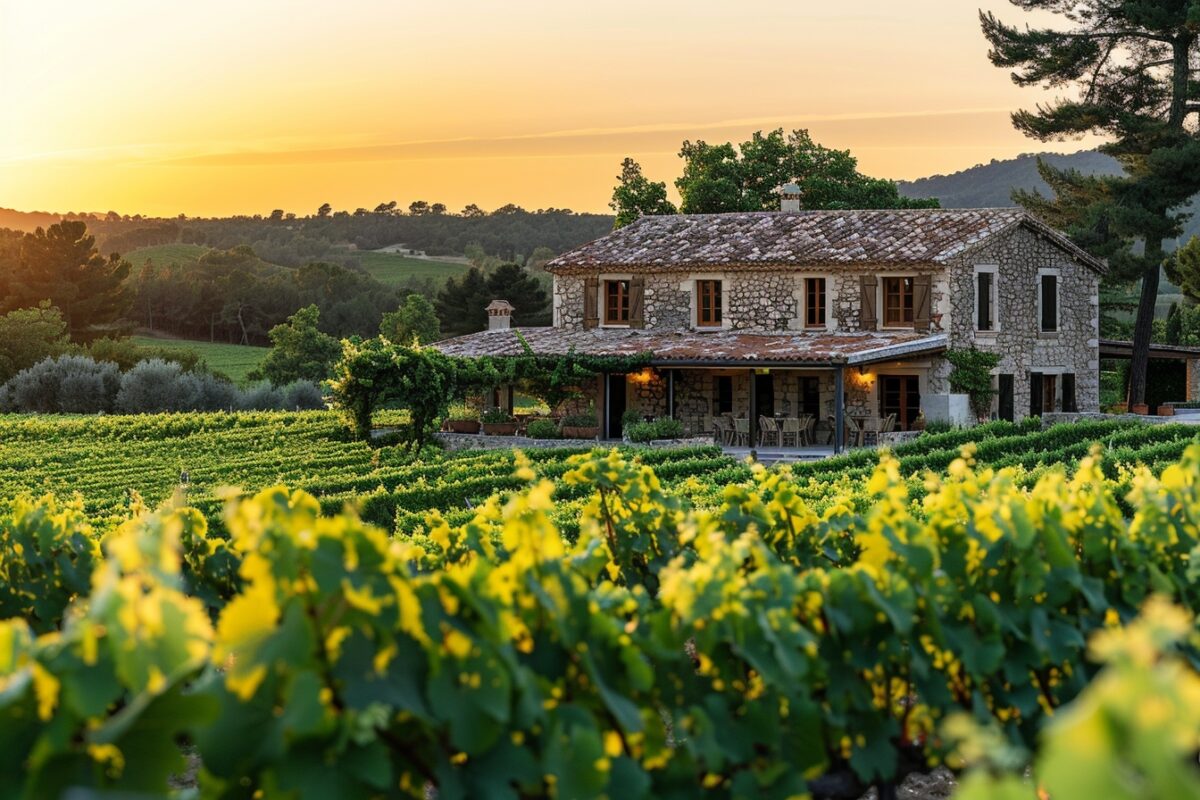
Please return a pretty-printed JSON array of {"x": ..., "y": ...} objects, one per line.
[
  {"x": 61, "y": 264},
  {"x": 722, "y": 178},
  {"x": 415, "y": 320},
  {"x": 635, "y": 195},
  {"x": 300, "y": 351},
  {"x": 1130, "y": 64},
  {"x": 461, "y": 303}
]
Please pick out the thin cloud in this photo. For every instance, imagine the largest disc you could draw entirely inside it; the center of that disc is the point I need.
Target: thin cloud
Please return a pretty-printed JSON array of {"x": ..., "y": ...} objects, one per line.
[{"x": 657, "y": 137}]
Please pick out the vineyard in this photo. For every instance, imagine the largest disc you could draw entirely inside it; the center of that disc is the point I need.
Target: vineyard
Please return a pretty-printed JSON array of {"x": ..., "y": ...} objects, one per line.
[
  {"x": 113, "y": 461},
  {"x": 702, "y": 631}
]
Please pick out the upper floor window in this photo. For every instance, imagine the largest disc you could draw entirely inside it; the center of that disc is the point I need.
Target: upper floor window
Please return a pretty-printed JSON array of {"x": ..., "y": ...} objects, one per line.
[
  {"x": 814, "y": 302},
  {"x": 616, "y": 302},
  {"x": 708, "y": 303},
  {"x": 1048, "y": 302},
  {"x": 897, "y": 302},
  {"x": 985, "y": 300}
]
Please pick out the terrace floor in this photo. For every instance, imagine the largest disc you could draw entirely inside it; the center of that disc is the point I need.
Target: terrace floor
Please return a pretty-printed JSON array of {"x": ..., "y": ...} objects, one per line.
[{"x": 781, "y": 455}]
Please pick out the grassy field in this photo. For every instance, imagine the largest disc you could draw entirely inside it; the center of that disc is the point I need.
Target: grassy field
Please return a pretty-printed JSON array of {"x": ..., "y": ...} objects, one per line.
[
  {"x": 392, "y": 269},
  {"x": 164, "y": 255},
  {"x": 234, "y": 360}
]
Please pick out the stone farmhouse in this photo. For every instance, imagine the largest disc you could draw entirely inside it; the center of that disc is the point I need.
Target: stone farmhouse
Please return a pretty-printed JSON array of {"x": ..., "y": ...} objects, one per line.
[{"x": 822, "y": 313}]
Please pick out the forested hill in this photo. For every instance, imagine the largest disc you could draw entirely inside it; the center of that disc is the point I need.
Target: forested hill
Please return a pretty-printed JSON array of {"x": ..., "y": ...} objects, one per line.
[
  {"x": 991, "y": 185},
  {"x": 510, "y": 232}
]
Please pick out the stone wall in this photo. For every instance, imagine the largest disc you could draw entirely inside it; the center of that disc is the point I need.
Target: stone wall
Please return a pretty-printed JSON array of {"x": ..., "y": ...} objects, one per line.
[
  {"x": 759, "y": 300},
  {"x": 1022, "y": 348},
  {"x": 1193, "y": 380}
]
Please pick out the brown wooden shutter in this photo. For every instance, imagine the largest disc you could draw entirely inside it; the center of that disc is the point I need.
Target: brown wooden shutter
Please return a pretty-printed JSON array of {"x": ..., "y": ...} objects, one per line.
[
  {"x": 591, "y": 305},
  {"x": 869, "y": 319},
  {"x": 922, "y": 301},
  {"x": 637, "y": 302}
]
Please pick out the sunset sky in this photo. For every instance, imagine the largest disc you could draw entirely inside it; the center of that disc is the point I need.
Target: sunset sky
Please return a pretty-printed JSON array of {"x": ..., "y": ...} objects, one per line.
[{"x": 222, "y": 107}]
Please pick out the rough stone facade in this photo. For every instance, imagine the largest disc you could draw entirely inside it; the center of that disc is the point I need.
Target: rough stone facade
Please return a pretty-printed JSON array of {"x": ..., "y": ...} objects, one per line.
[
  {"x": 770, "y": 299},
  {"x": 1074, "y": 348}
]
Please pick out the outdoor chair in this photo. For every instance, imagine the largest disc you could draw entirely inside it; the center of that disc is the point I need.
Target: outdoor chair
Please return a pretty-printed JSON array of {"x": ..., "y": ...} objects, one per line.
[
  {"x": 768, "y": 431},
  {"x": 790, "y": 432},
  {"x": 741, "y": 432},
  {"x": 889, "y": 423},
  {"x": 722, "y": 430}
]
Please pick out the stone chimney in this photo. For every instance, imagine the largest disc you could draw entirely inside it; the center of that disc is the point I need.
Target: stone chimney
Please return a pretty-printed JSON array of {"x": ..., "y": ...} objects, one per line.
[
  {"x": 499, "y": 315},
  {"x": 789, "y": 197}
]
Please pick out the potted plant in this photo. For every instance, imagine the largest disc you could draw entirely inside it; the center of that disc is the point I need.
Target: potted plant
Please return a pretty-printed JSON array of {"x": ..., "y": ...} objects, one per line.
[
  {"x": 1166, "y": 410},
  {"x": 498, "y": 422},
  {"x": 918, "y": 424},
  {"x": 463, "y": 419},
  {"x": 580, "y": 426}
]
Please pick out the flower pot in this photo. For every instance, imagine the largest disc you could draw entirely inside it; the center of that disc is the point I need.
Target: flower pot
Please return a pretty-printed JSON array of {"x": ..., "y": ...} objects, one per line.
[
  {"x": 463, "y": 425},
  {"x": 1166, "y": 411},
  {"x": 1120, "y": 408},
  {"x": 1140, "y": 408},
  {"x": 500, "y": 428},
  {"x": 577, "y": 432}
]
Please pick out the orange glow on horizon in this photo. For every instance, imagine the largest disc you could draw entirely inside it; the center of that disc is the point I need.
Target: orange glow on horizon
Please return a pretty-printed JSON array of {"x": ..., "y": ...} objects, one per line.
[{"x": 247, "y": 106}]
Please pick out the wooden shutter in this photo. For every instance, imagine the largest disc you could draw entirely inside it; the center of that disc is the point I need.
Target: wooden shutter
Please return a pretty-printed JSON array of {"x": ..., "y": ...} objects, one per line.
[
  {"x": 869, "y": 319},
  {"x": 922, "y": 301},
  {"x": 1068, "y": 392},
  {"x": 637, "y": 302},
  {"x": 591, "y": 305},
  {"x": 1035, "y": 394}
]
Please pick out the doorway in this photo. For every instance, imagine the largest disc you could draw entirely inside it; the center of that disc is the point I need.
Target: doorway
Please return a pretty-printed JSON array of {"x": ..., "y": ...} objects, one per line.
[
  {"x": 900, "y": 395},
  {"x": 1007, "y": 399},
  {"x": 764, "y": 397},
  {"x": 616, "y": 406}
]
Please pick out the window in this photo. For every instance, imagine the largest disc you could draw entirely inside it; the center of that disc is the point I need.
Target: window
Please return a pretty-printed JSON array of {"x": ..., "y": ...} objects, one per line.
[
  {"x": 814, "y": 302},
  {"x": 708, "y": 304},
  {"x": 616, "y": 302},
  {"x": 1048, "y": 302},
  {"x": 1042, "y": 392},
  {"x": 897, "y": 302},
  {"x": 722, "y": 395},
  {"x": 985, "y": 301}
]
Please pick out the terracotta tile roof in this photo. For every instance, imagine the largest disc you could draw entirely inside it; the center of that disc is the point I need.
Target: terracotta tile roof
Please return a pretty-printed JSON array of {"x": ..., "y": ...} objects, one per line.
[
  {"x": 692, "y": 347},
  {"x": 804, "y": 238}
]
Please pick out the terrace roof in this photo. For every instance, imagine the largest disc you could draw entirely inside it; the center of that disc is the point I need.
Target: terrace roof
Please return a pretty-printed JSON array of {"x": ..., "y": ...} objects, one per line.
[{"x": 696, "y": 348}]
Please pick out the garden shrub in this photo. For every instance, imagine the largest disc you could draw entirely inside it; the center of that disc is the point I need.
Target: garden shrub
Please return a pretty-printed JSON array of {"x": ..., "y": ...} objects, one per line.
[
  {"x": 302, "y": 395},
  {"x": 660, "y": 428},
  {"x": 69, "y": 384},
  {"x": 261, "y": 396},
  {"x": 542, "y": 429}
]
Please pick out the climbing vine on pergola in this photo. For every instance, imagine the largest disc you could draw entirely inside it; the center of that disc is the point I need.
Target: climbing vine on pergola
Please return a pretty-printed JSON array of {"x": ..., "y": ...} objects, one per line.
[{"x": 425, "y": 381}]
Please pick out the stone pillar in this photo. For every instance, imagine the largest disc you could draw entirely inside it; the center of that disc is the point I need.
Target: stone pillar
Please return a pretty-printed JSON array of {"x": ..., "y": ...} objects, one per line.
[{"x": 1193, "y": 380}]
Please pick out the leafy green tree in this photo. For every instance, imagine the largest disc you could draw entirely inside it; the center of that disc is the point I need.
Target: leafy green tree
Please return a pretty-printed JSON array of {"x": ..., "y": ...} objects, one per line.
[
  {"x": 29, "y": 335},
  {"x": 62, "y": 265},
  {"x": 721, "y": 178},
  {"x": 635, "y": 195},
  {"x": 299, "y": 350},
  {"x": 325, "y": 210},
  {"x": 1131, "y": 66},
  {"x": 416, "y": 319},
  {"x": 1173, "y": 333},
  {"x": 1183, "y": 268}
]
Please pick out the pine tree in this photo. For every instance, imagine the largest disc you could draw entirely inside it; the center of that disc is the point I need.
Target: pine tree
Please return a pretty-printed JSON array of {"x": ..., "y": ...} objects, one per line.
[
  {"x": 62, "y": 265},
  {"x": 1130, "y": 64}
]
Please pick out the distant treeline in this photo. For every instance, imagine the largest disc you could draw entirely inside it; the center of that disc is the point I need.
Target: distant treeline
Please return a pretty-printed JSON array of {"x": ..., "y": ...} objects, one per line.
[{"x": 510, "y": 233}]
